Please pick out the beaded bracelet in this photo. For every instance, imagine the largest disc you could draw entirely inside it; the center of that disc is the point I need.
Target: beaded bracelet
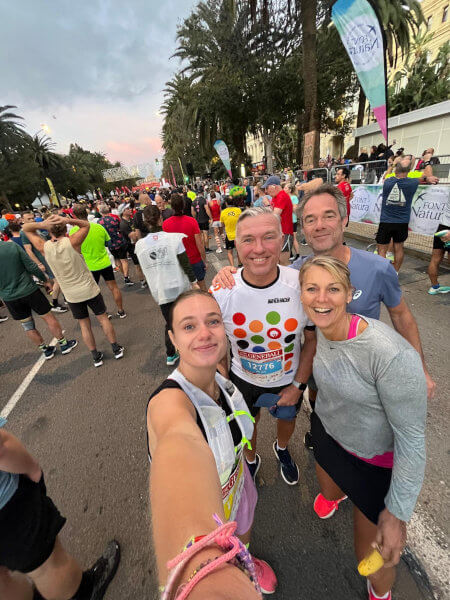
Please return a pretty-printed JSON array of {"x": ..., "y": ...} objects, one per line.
[{"x": 236, "y": 554}]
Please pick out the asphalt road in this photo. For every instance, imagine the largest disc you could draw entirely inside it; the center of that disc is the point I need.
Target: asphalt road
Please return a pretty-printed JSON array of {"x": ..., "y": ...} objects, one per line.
[{"x": 87, "y": 428}]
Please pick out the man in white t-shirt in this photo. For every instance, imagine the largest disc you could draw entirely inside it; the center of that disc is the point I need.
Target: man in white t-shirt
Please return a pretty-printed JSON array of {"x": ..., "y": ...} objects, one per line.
[{"x": 264, "y": 321}]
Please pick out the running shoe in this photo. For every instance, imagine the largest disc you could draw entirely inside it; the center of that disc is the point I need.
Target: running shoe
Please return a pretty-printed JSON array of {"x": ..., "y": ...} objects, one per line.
[
  {"x": 254, "y": 468},
  {"x": 324, "y": 508},
  {"x": 440, "y": 289},
  {"x": 266, "y": 577},
  {"x": 171, "y": 360},
  {"x": 66, "y": 348},
  {"x": 219, "y": 250},
  {"x": 3, "y": 319},
  {"x": 390, "y": 256},
  {"x": 143, "y": 284},
  {"x": 294, "y": 258},
  {"x": 98, "y": 360},
  {"x": 307, "y": 440},
  {"x": 109, "y": 315},
  {"x": 118, "y": 353},
  {"x": 59, "y": 309},
  {"x": 49, "y": 352},
  {"x": 121, "y": 314},
  {"x": 103, "y": 571},
  {"x": 289, "y": 470},
  {"x": 207, "y": 250},
  {"x": 372, "y": 595},
  {"x": 128, "y": 281}
]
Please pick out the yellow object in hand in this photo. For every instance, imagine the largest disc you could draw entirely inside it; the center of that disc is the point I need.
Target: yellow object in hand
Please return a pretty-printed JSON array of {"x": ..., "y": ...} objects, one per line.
[{"x": 371, "y": 563}]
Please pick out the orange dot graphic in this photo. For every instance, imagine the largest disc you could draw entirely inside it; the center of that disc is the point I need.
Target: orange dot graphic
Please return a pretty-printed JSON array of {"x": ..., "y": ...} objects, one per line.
[
  {"x": 288, "y": 365},
  {"x": 256, "y": 326},
  {"x": 291, "y": 324},
  {"x": 274, "y": 346},
  {"x": 240, "y": 333}
]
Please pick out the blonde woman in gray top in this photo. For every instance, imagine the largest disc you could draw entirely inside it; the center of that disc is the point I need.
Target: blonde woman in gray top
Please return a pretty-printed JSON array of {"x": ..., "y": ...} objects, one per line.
[
  {"x": 368, "y": 427},
  {"x": 63, "y": 254}
]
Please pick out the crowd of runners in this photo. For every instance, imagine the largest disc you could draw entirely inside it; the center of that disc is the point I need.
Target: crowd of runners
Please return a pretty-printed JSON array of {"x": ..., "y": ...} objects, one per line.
[{"x": 272, "y": 326}]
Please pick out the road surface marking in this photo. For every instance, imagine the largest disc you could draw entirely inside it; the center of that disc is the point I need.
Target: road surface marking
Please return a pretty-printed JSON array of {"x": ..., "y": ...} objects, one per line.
[{"x": 24, "y": 385}]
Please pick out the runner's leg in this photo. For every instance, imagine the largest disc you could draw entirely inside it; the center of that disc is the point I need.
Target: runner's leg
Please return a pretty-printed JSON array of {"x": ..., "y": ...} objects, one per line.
[
  {"x": 59, "y": 577},
  {"x": 107, "y": 327},
  {"x": 14, "y": 586},
  {"x": 230, "y": 257},
  {"x": 399, "y": 255},
  {"x": 364, "y": 532},
  {"x": 217, "y": 237},
  {"x": 165, "y": 310},
  {"x": 86, "y": 332},
  {"x": 433, "y": 268},
  {"x": 53, "y": 324},
  {"x": 285, "y": 429},
  {"x": 328, "y": 488},
  {"x": 382, "y": 249},
  {"x": 123, "y": 266},
  {"x": 117, "y": 295}
]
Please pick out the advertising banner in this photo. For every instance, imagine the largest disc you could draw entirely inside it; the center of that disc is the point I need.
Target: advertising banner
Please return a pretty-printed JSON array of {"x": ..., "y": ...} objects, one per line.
[
  {"x": 427, "y": 207},
  {"x": 361, "y": 34},
  {"x": 222, "y": 150}
]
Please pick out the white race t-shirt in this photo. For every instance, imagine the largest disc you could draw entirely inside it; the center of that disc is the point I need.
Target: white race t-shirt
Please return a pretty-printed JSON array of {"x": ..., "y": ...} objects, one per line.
[
  {"x": 158, "y": 256},
  {"x": 264, "y": 326},
  {"x": 445, "y": 218}
]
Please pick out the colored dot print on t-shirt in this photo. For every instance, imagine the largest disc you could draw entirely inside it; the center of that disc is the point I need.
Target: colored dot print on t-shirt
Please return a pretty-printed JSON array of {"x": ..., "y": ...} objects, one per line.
[
  {"x": 238, "y": 318},
  {"x": 256, "y": 326},
  {"x": 289, "y": 348},
  {"x": 274, "y": 333},
  {"x": 273, "y": 318},
  {"x": 291, "y": 324},
  {"x": 288, "y": 365},
  {"x": 257, "y": 339},
  {"x": 274, "y": 345},
  {"x": 240, "y": 333},
  {"x": 258, "y": 349},
  {"x": 289, "y": 338},
  {"x": 243, "y": 344}
]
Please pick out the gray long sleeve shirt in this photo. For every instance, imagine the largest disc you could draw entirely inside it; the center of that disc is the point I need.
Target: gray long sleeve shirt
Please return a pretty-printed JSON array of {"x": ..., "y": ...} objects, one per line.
[{"x": 372, "y": 399}]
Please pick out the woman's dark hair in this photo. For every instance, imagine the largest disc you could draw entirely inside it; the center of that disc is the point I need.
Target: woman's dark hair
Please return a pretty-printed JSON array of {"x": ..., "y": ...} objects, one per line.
[
  {"x": 14, "y": 226},
  {"x": 152, "y": 215},
  {"x": 177, "y": 204},
  {"x": 131, "y": 204},
  {"x": 212, "y": 195},
  {"x": 184, "y": 296}
]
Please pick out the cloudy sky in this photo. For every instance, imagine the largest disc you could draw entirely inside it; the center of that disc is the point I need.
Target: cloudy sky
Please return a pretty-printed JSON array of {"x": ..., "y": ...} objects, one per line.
[{"x": 92, "y": 70}]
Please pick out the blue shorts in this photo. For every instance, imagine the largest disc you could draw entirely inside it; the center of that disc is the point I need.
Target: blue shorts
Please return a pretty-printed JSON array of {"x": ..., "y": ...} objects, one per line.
[{"x": 199, "y": 270}]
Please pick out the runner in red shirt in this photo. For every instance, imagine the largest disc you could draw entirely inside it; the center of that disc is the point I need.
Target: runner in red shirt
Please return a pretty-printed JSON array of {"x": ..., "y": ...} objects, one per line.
[
  {"x": 193, "y": 243},
  {"x": 282, "y": 205},
  {"x": 214, "y": 207},
  {"x": 341, "y": 178}
]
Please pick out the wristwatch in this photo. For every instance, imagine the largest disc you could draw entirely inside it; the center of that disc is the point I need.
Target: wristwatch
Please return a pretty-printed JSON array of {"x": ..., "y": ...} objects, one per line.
[{"x": 300, "y": 386}]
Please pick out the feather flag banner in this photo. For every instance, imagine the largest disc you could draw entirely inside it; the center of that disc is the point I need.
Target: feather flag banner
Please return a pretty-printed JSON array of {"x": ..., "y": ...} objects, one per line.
[
  {"x": 222, "y": 150},
  {"x": 361, "y": 33}
]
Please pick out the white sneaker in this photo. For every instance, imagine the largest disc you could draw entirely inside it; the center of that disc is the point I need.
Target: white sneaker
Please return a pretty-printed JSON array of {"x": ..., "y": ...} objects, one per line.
[{"x": 219, "y": 250}]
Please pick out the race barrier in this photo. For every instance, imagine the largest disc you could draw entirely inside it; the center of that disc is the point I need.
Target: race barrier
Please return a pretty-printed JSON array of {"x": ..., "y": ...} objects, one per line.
[{"x": 427, "y": 206}]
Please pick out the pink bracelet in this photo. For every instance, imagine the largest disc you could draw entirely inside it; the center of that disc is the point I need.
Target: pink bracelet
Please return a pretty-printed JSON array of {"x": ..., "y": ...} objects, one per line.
[{"x": 236, "y": 554}]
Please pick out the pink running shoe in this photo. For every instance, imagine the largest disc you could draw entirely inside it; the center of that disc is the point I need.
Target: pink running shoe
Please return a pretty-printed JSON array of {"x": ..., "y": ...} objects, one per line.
[
  {"x": 372, "y": 595},
  {"x": 266, "y": 577},
  {"x": 324, "y": 508}
]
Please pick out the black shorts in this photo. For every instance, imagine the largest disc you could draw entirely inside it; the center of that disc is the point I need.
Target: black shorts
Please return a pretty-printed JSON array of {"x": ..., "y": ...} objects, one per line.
[
  {"x": 204, "y": 226},
  {"x": 107, "y": 273},
  {"x": 438, "y": 243},
  {"x": 288, "y": 242},
  {"x": 398, "y": 232},
  {"x": 80, "y": 309},
  {"x": 252, "y": 392},
  {"x": 229, "y": 244},
  {"x": 295, "y": 227},
  {"x": 29, "y": 523},
  {"x": 366, "y": 485},
  {"x": 21, "y": 308},
  {"x": 119, "y": 253},
  {"x": 132, "y": 254}
]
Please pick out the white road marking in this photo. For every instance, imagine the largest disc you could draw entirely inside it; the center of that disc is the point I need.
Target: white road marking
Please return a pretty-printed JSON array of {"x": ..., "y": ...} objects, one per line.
[
  {"x": 215, "y": 262},
  {"x": 24, "y": 385}
]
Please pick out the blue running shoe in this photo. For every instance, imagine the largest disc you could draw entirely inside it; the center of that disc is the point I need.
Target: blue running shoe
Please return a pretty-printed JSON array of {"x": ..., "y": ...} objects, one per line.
[
  {"x": 289, "y": 470},
  {"x": 254, "y": 468}
]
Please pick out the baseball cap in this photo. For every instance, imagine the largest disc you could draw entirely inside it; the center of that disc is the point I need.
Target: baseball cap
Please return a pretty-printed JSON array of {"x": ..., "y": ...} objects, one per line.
[{"x": 272, "y": 180}]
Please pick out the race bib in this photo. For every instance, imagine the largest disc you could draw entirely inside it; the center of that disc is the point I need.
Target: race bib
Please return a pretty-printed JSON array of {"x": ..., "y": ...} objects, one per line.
[
  {"x": 232, "y": 489},
  {"x": 263, "y": 367}
]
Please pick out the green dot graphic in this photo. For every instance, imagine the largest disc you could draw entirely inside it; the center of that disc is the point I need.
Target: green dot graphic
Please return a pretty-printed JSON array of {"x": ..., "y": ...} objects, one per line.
[
  {"x": 289, "y": 348},
  {"x": 273, "y": 317},
  {"x": 257, "y": 339}
]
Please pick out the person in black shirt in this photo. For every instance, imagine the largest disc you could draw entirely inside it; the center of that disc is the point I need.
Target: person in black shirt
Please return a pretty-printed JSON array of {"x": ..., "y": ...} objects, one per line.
[{"x": 126, "y": 227}]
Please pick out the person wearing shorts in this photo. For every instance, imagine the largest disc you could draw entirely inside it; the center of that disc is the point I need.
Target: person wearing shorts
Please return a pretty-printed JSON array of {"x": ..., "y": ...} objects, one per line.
[
  {"x": 22, "y": 297},
  {"x": 94, "y": 252},
  {"x": 229, "y": 217},
  {"x": 79, "y": 287},
  {"x": 398, "y": 194},
  {"x": 265, "y": 321},
  {"x": 193, "y": 242},
  {"x": 439, "y": 249},
  {"x": 117, "y": 244},
  {"x": 282, "y": 206},
  {"x": 214, "y": 207},
  {"x": 30, "y": 524},
  {"x": 201, "y": 212},
  {"x": 126, "y": 227}
]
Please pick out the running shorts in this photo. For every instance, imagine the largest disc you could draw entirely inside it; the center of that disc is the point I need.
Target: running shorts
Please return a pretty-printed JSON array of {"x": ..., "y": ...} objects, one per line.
[
  {"x": 107, "y": 273},
  {"x": 29, "y": 523},
  {"x": 438, "y": 243},
  {"x": 119, "y": 253},
  {"x": 21, "y": 308},
  {"x": 365, "y": 484},
  {"x": 252, "y": 392},
  {"x": 295, "y": 227},
  {"x": 217, "y": 224},
  {"x": 397, "y": 232},
  {"x": 199, "y": 270},
  {"x": 288, "y": 241},
  {"x": 80, "y": 309},
  {"x": 229, "y": 244},
  {"x": 204, "y": 226},
  {"x": 132, "y": 254}
]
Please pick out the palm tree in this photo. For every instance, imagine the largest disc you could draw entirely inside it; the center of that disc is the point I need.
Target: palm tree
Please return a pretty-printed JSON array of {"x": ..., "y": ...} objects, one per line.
[
  {"x": 41, "y": 147},
  {"x": 11, "y": 131}
]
